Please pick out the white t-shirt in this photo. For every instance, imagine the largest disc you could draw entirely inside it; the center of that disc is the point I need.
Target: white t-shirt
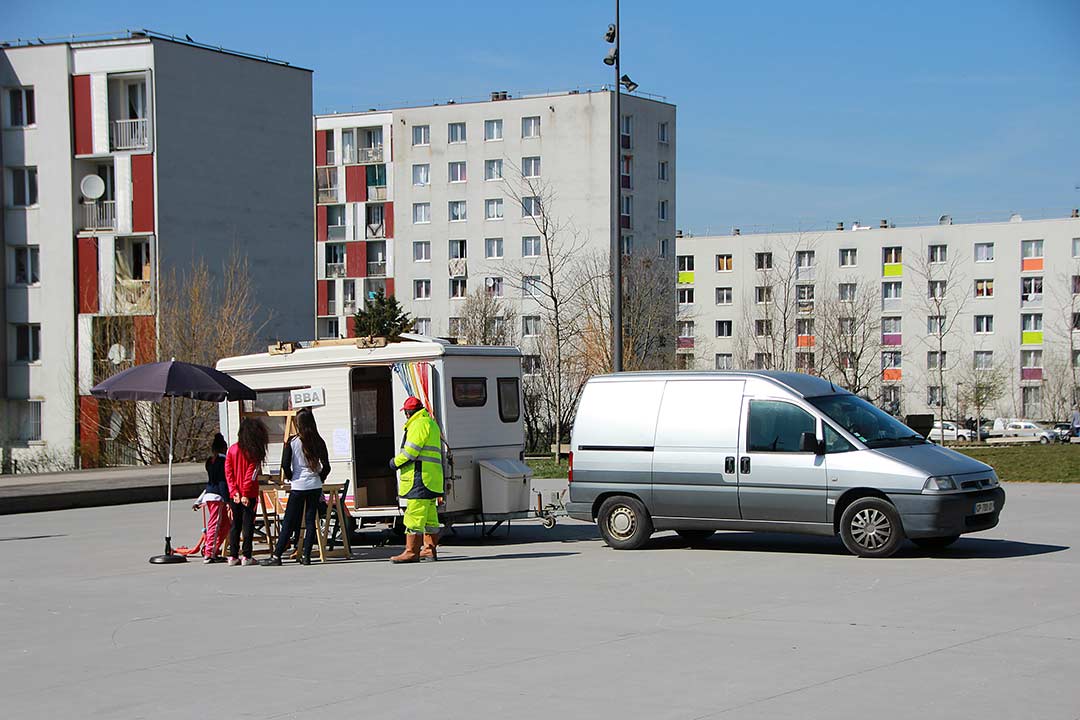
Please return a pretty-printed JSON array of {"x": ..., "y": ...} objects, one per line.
[{"x": 303, "y": 477}]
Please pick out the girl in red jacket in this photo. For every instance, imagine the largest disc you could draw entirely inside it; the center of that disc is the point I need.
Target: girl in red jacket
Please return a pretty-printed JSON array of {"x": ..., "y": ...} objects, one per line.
[{"x": 243, "y": 463}]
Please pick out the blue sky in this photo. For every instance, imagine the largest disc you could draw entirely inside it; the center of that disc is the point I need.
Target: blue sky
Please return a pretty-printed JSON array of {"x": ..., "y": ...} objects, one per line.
[{"x": 790, "y": 114}]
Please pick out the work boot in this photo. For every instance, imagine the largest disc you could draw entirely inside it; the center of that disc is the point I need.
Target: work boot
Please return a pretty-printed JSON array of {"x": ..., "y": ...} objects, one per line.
[
  {"x": 429, "y": 553},
  {"x": 412, "y": 550}
]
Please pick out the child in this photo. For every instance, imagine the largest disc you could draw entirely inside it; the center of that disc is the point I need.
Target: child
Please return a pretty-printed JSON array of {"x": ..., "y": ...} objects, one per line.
[
  {"x": 243, "y": 462},
  {"x": 215, "y": 497}
]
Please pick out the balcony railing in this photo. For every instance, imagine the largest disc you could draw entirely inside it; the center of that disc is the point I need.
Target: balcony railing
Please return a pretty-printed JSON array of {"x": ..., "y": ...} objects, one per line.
[
  {"x": 376, "y": 269},
  {"x": 335, "y": 232},
  {"x": 130, "y": 134},
  {"x": 115, "y": 452},
  {"x": 99, "y": 215},
  {"x": 327, "y": 194},
  {"x": 376, "y": 230},
  {"x": 349, "y": 307},
  {"x": 370, "y": 154},
  {"x": 134, "y": 296},
  {"x": 335, "y": 270},
  {"x": 376, "y": 192},
  {"x": 104, "y": 369}
]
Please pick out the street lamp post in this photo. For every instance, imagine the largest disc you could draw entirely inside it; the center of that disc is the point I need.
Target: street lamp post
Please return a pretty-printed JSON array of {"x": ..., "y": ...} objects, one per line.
[{"x": 612, "y": 36}]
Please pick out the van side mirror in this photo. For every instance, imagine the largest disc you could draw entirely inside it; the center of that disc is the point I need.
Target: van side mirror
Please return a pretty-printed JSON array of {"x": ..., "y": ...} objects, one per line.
[{"x": 808, "y": 442}]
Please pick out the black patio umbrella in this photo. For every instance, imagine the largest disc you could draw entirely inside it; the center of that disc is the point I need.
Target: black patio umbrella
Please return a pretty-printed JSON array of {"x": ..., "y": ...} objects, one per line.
[{"x": 155, "y": 381}]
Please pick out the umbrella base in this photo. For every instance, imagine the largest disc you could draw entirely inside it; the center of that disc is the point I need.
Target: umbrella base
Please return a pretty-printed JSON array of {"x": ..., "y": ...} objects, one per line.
[{"x": 167, "y": 559}]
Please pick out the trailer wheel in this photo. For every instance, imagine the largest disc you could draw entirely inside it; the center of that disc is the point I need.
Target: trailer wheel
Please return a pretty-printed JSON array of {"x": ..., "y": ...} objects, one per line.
[
  {"x": 624, "y": 522},
  {"x": 549, "y": 522}
]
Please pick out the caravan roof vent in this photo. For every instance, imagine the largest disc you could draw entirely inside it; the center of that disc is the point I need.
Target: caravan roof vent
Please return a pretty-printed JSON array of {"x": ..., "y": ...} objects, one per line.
[{"x": 945, "y": 220}]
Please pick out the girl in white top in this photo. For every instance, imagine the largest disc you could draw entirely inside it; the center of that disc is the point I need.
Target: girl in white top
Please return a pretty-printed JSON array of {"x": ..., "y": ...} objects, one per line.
[{"x": 305, "y": 463}]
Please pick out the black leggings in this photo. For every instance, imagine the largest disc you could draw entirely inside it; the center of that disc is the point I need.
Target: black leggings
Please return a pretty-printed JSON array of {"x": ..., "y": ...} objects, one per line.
[
  {"x": 300, "y": 501},
  {"x": 243, "y": 519}
]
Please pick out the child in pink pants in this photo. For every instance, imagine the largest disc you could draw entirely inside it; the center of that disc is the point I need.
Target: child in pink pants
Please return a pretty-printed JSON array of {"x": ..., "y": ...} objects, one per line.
[{"x": 216, "y": 499}]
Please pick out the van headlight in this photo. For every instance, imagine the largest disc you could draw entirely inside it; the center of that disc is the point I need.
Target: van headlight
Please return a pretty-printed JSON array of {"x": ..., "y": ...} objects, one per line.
[{"x": 939, "y": 483}]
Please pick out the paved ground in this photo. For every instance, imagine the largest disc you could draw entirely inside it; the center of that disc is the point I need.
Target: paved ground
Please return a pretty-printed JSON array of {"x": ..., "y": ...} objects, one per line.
[{"x": 545, "y": 624}]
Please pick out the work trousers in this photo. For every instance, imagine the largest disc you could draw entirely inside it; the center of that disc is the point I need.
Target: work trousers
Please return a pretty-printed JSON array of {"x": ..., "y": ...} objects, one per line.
[
  {"x": 300, "y": 501},
  {"x": 217, "y": 526},
  {"x": 243, "y": 519},
  {"x": 421, "y": 516}
]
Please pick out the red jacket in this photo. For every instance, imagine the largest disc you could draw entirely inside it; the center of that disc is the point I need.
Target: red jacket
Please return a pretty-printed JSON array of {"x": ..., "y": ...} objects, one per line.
[{"x": 240, "y": 474}]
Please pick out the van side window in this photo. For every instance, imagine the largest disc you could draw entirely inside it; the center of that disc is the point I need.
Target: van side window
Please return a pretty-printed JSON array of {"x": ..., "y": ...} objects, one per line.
[
  {"x": 777, "y": 426},
  {"x": 834, "y": 442},
  {"x": 509, "y": 400},
  {"x": 469, "y": 391}
]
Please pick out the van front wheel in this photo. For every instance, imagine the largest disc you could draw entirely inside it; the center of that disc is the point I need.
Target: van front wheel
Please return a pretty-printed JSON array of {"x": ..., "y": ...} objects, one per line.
[
  {"x": 624, "y": 522},
  {"x": 870, "y": 527}
]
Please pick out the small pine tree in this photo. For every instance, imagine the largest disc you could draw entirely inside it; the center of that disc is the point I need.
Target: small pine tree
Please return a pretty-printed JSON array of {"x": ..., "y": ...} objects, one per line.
[{"x": 382, "y": 316}]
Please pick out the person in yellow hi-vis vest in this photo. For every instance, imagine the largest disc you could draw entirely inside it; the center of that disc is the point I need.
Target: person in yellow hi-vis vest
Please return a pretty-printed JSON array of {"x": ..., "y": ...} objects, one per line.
[{"x": 420, "y": 482}]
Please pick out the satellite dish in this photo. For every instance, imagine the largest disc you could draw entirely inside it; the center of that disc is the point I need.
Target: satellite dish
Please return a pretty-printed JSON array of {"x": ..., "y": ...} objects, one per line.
[
  {"x": 1015, "y": 217},
  {"x": 92, "y": 187},
  {"x": 945, "y": 220}
]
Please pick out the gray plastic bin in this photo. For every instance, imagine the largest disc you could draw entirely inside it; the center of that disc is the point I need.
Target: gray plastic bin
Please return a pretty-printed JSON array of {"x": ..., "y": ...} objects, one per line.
[{"x": 505, "y": 486}]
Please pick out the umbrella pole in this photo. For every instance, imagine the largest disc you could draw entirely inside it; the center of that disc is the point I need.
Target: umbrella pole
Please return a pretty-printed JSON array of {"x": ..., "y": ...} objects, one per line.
[{"x": 169, "y": 557}]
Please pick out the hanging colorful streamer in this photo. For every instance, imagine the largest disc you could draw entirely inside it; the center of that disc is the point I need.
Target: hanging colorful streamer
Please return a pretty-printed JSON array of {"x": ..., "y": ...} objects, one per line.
[{"x": 415, "y": 377}]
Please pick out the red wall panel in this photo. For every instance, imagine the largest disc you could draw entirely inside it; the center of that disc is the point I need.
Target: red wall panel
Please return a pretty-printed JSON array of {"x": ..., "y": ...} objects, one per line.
[
  {"x": 388, "y": 219},
  {"x": 88, "y": 275},
  {"x": 321, "y": 304},
  {"x": 145, "y": 339},
  {"x": 355, "y": 183},
  {"x": 350, "y": 327},
  {"x": 389, "y": 287},
  {"x": 320, "y": 222},
  {"x": 320, "y": 146},
  {"x": 83, "y": 116},
  {"x": 89, "y": 425},
  {"x": 142, "y": 193},
  {"x": 356, "y": 259}
]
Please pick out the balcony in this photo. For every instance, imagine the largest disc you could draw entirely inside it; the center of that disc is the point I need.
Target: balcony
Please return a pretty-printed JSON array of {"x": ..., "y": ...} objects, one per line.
[
  {"x": 335, "y": 270},
  {"x": 349, "y": 307},
  {"x": 376, "y": 269},
  {"x": 335, "y": 232},
  {"x": 327, "y": 194},
  {"x": 376, "y": 193},
  {"x": 375, "y": 230},
  {"x": 99, "y": 215},
  {"x": 135, "y": 297},
  {"x": 370, "y": 154},
  {"x": 130, "y": 134}
]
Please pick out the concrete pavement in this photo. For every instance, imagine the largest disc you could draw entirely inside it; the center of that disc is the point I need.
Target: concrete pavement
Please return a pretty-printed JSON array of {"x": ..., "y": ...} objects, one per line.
[{"x": 544, "y": 624}]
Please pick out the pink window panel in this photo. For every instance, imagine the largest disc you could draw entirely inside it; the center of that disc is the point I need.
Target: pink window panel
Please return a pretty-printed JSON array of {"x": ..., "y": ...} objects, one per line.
[{"x": 890, "y": 339}]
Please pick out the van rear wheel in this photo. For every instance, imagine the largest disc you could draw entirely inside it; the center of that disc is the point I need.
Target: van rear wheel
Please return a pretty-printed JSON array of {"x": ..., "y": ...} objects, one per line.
[
  {"x": 694, "y": 536},
  {"x": 624, "y": 522},
  {"x": 870, "y": 527}
]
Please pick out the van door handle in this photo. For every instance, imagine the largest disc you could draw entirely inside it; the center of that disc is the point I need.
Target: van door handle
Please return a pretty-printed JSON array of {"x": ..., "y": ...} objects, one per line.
[
  {"x": 744, "y": 465},
  {"x": 729, "y": 465}
]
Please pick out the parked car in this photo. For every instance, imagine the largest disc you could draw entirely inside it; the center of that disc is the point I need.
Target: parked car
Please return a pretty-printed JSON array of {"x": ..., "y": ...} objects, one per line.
[
  {"x": 951, "y": 433},
  {"x": 1029, "y": 429},
  {"x": 1064, "y": 431},
  {"x": 767, "y": 451}
]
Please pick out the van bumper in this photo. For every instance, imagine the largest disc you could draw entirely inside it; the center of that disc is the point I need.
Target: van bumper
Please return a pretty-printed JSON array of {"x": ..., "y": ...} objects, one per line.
[
  {"x": 580, "y": 511},
  {"x": 944, "y": 515}
]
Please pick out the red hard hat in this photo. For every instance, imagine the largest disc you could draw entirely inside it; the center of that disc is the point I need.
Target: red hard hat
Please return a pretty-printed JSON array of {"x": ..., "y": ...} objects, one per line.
[{"x": 412, "y": 404}]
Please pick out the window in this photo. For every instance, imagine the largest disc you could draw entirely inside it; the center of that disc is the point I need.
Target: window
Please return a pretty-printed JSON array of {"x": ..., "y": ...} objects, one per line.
[
  {"x": 494, "y": 286},
  {"x": 1076, "y": 248},
  {"x": 1031, "y": 399},
  {"x": 891, "y": 290},
  {"x": 723, "y": 328},
  {"x": 1031, "y": 358},
  {"x": 421, "y": 135},
  {"x": 27, "y": 419},
  {"x": 455, "y": 132},
  {"x": 891, "y": 359},
  {"x": 937, "y": 254},
  {"x": 530, "y": 206},
  {"x": 421, "y": 174},
  {"x": 421, "y": 289},
  {"x": 662, "y": 171},
  {"x": 847, "y": 292},
  {"x": 627, "y": 244},
  {"x": 456, "y": 172},
  {"x": 24, "y": 192},
  {"x": 686, "y": 296},
  {"x": 530, "y": 364},
  {"x": 762, "y": 328},
  {"x": 456, "y": 209},
  {"x": 724, "y": 361},
  {"x": 627, "y": 208},
  {"x": 335, "y": 261},
  {"x": 984, "y": 252},
  {"x": 509, "y": 394},
  {"x": 530, "y": 246},
  {"x": 763, "y": 261},
  {"x": 805, "y": 326},
  {"x": 627, "y": 128},
  {"x": 1031, "y": 249},
  {"x": 530, "y": 286},
  {"x": 723, "y": 296},
  {"x": 26, "y": 266},
  {"x": 1076, "y": 321},
  {"x": 983, "y": 359},
  {"x": 804, "y": 297},
  {"x": 28, "y": 342},
  {"x": 685, "y": 263},
  {"x": 335, "y": 222},
  {"x": 847, "y": 326},
  {"x": 849, "y": 257},
  {"x": 493, "y": 248},
  {"x": 663, "y": 247},
  {"x": 493, "y": 170},
  {"x": 530, "y": 166},
  {"x": 935, "y": 289},
  {"x": 777, "y": 426},
  {"x": 421, "y": 251},
  {"x": 935, "y": 325},
  {"x": 891, "y": 325},
  {"x": 1031, "y": 322},
  {"x": 469, "y": 391},
  {"x": 459, "y": 287},
  {"x": 21, "y": 111},
  {"x": 984, "y": 288},
  {"x": 459, "y": 250},
  {"x": 421, "y": 213},
  {"x": 492, "y": 130},
  {"x": 936, "y": 360},
  {"x": 724, "y": 263},
  {"x": 661, "y": 210},
  {"x": 984, "y": 324},
  {"x": 662, "y": 132},
  {"x": 1076, "y": 284},
  {"x": 530, "y": 326},
  {"x": 530, "y": 127},
  {"x": 493, "y": 209},
  {"x": 762, "y": 361},
  {"x": 804, "y": 259},
  {"x": 626, "y": 169},
  {"x": 935, "y": 396},
  {"x": 686, "y": 328},
  {"x": 422, "y": 326},
  {"x": 375, "y": 176},
  {"x": 331, "y": 295},
  {"x": 892, "y": 255},
  {"x": 763, "y": 294},
  {"x": 804, "y": 362},
  {"x": 1031, "y": 289},
  {"x": 455, "y": 327}
]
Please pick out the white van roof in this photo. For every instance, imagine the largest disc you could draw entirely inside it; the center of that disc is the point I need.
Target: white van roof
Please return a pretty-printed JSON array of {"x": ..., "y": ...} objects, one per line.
[
  {"x": 411, "y": 347},
  {"x": 800, "y": 383}
]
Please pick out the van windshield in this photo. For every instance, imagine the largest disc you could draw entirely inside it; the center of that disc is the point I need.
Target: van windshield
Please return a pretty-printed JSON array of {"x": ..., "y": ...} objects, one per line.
[{"x": 869, "y": 424}]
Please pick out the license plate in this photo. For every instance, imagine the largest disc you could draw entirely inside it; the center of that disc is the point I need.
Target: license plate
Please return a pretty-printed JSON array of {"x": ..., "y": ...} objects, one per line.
[{"x": 984, "y": 507}]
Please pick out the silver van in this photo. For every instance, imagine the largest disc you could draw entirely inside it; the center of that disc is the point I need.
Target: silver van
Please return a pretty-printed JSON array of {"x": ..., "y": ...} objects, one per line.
[{"x": 697, "y": 452}]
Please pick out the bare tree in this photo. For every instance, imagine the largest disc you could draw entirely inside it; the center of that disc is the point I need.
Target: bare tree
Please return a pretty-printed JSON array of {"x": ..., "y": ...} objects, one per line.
[
  {"x": 983, "y": 383},
  {"x": 1065, "y": 291},
  {"x": 849, "y": 338},
  {"x": 487, "y": 320}
]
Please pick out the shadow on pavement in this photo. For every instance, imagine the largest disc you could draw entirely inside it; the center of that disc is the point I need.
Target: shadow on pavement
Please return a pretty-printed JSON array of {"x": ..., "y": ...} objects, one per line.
[{"x": 32, "y": 537}]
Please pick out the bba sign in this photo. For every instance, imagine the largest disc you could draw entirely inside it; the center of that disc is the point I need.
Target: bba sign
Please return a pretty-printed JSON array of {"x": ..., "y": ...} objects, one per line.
[{"x": 308, "y": 397}]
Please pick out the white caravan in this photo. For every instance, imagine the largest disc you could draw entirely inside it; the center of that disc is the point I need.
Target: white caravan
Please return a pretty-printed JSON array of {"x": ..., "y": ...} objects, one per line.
[{"x": 356, "y": 394}]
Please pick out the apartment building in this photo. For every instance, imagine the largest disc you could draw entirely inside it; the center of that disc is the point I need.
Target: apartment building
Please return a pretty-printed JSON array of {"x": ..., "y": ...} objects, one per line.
[
  {"x": 431, "y": 203},
  {"x": 125, "y": 158},
  {"x": 970, "y": 298}
]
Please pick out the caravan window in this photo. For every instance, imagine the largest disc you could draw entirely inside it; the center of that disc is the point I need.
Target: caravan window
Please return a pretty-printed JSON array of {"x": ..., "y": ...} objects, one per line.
[
  {"x": 509, "y": 400},
  {"x": 469, "y": 391}
]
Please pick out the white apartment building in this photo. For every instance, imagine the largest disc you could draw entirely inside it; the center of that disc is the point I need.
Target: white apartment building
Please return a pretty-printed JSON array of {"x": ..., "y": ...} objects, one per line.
[
  {"x": 125, "y": 158},
  {"x": 430, "y": 203},
  {"x": 997, "y": 295}
]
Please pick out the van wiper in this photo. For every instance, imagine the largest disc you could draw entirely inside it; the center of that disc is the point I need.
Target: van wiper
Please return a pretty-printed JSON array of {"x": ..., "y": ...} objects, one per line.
[{"x": 896, "y": 442}]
